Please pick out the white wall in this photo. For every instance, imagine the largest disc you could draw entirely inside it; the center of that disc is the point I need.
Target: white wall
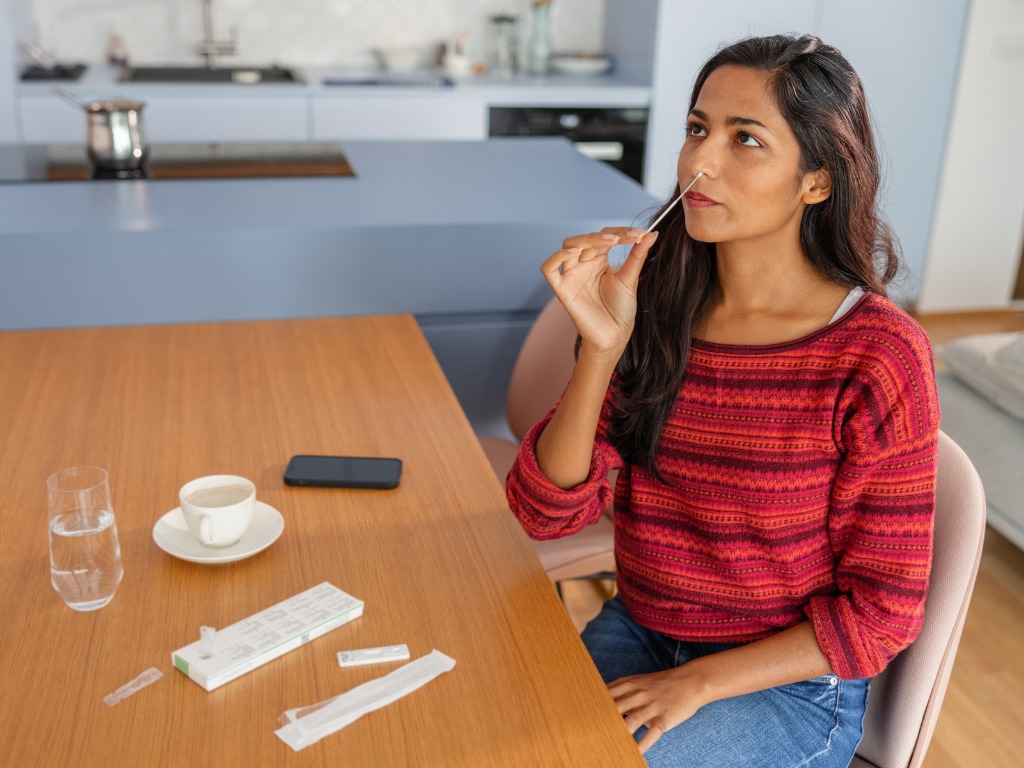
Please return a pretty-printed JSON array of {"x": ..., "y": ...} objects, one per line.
[
  {"x": 906, "y": 53},
  {"x": 979, "y": 222},
  {"x": 293, "y": 32},
  {"x": 8, "y": 126},
  {"x": 687, "y": 34}
]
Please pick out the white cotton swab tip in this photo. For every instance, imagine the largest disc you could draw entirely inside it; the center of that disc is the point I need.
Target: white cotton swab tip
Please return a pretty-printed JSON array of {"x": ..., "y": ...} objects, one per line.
[{"x": 664, "y": 213}]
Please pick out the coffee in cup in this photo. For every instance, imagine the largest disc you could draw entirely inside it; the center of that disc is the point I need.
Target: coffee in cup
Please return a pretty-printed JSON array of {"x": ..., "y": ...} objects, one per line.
[{"x": 218, "y": 508}]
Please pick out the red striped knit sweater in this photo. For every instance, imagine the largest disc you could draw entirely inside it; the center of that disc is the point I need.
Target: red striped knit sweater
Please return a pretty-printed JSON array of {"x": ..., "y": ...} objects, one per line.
[{"x": 800, "y": 483}]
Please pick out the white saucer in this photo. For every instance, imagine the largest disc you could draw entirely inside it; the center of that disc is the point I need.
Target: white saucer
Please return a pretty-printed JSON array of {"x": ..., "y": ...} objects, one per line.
[{"x": 172, "y": 535}]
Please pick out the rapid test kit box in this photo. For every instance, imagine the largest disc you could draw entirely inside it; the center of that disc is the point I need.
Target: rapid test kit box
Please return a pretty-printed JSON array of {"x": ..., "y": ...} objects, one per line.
[{"x": 264, "y": 636}]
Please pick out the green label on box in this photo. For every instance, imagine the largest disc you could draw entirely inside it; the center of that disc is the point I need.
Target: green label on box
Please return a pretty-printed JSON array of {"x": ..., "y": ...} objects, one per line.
[{"x": 181, "y": 664}]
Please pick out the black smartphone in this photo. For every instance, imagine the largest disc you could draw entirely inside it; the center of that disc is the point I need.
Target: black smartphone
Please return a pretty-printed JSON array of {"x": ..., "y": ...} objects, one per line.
[{"x": 343, "y": 472}]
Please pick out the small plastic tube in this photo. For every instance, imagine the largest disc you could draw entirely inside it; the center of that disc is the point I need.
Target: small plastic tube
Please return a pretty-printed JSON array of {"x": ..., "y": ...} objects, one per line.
[
  {"x": 206, "y": 635},
  {"x": 151, "y": 675}
]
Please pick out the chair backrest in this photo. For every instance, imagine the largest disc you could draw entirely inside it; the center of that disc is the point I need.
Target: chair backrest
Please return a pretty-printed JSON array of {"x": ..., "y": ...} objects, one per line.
[
  {"x": 905, "y": 699},
  {"x": 542, "y": 369}
]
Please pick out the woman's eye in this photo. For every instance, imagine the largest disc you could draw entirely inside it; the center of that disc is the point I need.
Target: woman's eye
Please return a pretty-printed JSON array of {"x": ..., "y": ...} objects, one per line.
[
  {"x": 695, "y": 129},
  {"x": 747, "y": 140}
]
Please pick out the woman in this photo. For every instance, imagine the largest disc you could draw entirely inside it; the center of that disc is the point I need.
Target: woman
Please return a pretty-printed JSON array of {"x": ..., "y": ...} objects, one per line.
[{"x": 774, "y": 419}]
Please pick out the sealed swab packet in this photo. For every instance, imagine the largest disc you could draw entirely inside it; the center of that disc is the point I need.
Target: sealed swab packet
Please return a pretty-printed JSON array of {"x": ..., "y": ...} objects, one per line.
[
  {"x": 151, "y": 675},
  {"x": 307, "y": 725}
]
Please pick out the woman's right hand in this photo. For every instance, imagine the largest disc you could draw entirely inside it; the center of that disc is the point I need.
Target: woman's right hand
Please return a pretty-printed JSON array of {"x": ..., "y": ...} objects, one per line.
[{"x": 601, "y": 301}]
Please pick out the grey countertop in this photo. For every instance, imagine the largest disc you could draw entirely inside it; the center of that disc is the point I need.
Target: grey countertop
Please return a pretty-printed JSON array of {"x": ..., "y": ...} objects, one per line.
[
  {"x": 100, "y": 81},
  {"x": 424, "y": 227},
  {"x": 503, "y": 181},
  {"x": 452, "y": 232}
]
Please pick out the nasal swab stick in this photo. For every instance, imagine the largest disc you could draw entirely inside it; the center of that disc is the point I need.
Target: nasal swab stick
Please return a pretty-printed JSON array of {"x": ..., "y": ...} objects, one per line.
[{"x": 664, "y": 213}]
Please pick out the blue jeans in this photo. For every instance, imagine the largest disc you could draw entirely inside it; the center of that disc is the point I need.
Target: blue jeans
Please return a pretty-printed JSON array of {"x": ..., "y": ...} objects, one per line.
[{"x": 816, "y": 722}]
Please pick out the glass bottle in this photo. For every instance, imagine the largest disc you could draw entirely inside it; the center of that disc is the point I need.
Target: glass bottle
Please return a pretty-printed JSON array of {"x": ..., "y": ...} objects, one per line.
[
  {"x": 504, "y": 46},
  {"x": 538, "y": 45}
]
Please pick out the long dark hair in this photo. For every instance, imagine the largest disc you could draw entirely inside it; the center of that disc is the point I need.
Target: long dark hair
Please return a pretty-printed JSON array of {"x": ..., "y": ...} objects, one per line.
[{"x": 844, "y": 237}]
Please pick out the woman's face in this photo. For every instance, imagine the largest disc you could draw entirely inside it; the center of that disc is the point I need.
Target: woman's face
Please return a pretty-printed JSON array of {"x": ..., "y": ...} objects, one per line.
[{"x": 752, "y": 189}]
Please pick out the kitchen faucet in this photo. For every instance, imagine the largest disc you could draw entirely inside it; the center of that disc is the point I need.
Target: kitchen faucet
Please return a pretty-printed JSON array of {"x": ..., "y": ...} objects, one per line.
[{"x": 209, "y": 47}]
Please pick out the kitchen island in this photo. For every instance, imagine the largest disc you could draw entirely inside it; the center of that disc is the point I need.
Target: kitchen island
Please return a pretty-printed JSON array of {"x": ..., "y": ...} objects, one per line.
[{"x": 453, "y": 232}]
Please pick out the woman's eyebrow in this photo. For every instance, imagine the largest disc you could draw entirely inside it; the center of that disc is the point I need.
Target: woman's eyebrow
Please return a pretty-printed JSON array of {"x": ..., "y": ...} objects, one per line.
[{"x": 701, "y": 115}]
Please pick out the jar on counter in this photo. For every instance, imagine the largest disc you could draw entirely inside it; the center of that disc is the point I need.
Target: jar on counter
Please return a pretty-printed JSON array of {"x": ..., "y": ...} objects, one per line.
[
  {"x": 503, "y": 51},
  {"x": 538, "y": 45}
]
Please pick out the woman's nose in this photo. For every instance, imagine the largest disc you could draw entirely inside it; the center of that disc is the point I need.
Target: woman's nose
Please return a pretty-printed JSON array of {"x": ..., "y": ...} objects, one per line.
[{"x": 703, "y": 159}]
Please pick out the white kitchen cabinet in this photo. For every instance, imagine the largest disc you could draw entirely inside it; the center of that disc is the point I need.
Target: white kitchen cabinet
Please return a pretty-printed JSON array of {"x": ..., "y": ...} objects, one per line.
[
  {"x": 239, "y": 118},
  {"x": 8, "y": 125},
  {"x": 408, "y": 118},
  {"x": 49, "y": 120},
  {"x": 46, "y": 119}
]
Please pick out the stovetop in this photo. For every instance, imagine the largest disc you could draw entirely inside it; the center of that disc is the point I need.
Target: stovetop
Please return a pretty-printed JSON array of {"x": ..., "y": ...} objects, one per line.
[{"x": 69, "y": 162}]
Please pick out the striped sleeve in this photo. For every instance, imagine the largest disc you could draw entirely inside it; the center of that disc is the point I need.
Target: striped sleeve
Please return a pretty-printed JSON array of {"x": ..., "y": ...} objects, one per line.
[
  {"x": 548, "y": 512},
  {"x": 882, "y": 508}
]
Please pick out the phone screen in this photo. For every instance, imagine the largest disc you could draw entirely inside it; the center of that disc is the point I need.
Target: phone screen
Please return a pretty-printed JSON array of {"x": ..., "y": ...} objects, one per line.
[{"x": 343, "y": 471}]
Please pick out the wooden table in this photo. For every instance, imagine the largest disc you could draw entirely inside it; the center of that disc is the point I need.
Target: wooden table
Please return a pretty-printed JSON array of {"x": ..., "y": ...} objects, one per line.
[{"x": 440, "y": 562}]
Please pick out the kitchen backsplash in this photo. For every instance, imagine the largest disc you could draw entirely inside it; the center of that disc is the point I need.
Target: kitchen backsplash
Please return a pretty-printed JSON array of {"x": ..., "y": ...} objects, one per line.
[{"x": 327, "y": 33}]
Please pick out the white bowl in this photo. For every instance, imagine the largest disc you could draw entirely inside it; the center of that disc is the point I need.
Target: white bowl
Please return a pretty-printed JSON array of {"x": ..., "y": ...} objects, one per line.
[
  {"x": 581, "y": 63},
  {"x": 400, "y": 58}
]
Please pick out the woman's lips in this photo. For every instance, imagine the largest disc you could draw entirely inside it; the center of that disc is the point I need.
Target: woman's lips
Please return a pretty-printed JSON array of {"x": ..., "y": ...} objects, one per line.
[{"x": 697, "y": 200}]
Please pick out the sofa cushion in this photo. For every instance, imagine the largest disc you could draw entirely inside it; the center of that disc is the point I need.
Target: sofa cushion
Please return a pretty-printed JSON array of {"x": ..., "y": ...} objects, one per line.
[
  {"x": 1011, "y": 357},
  {"x": 992, "y": 365}
]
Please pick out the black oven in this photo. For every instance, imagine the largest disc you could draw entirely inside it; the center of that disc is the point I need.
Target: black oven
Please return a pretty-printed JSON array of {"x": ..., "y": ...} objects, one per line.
[{"x": 616, "y": 135}]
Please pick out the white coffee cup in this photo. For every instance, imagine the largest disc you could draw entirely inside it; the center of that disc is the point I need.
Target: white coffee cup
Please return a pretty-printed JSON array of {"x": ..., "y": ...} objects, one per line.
[{"x": 218, "y": 508}]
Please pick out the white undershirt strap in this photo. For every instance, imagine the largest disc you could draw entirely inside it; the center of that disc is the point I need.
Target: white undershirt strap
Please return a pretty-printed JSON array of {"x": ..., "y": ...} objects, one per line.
[{"x": 848, "y": 302}]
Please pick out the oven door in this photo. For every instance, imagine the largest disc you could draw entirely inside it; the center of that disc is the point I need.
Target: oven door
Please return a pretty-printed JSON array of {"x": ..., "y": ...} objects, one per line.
[{"x": 615, "y": 135}]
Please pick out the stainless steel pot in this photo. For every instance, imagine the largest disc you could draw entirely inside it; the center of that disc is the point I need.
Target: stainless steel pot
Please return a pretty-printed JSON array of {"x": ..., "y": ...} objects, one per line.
[{"x": 114, "y": 137}]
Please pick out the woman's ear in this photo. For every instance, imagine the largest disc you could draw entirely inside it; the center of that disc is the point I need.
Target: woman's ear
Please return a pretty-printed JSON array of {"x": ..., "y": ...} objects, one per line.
[{"x": 817, "y": 186}]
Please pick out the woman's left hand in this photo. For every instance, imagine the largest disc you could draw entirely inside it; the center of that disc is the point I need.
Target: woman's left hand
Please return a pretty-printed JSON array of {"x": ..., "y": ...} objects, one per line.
[
  {"x": 659, "y": 700},
  {"x": 662, "y": 700}
]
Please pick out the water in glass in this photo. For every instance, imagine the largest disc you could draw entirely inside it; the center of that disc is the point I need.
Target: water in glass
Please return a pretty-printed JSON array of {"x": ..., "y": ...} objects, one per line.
[{"x": 85, "y": 558}]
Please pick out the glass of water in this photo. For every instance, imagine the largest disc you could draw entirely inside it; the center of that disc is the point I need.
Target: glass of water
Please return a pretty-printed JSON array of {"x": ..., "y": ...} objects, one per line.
[{"x": 85, "y": 557}]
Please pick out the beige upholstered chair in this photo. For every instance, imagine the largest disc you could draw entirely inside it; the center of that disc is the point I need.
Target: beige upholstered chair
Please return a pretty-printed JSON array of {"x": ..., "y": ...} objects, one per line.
[
  {"x": 541, "y": 371},
  {"x": 905, "y": 699}
]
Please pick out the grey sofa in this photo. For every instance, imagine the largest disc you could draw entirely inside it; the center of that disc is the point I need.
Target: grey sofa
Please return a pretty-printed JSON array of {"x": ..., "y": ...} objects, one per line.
[{"x": 982, "y": 401}]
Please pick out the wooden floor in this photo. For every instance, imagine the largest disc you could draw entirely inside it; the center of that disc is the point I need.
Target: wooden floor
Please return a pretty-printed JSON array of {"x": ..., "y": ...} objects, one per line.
[
  {"x": 982, "y": 717},
  {"x": 945, "y": 327}
]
